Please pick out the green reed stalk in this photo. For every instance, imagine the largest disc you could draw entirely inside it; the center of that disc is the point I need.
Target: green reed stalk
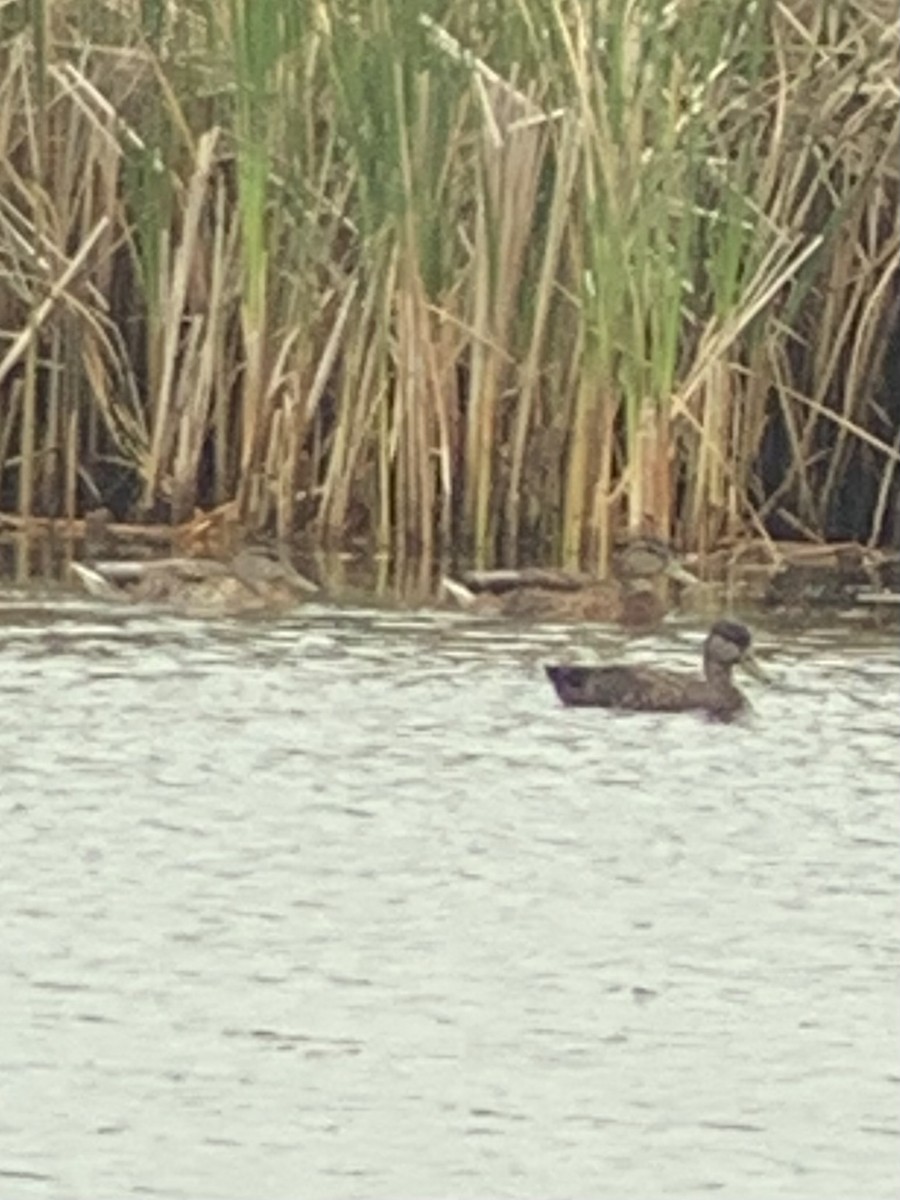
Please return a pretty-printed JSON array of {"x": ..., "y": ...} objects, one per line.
[
  {"x": 153, "y": 204},
  {"x": 255, "y": 44},
  {"x": 39, "y": 31},
  {"x": 398, "y": 118}
]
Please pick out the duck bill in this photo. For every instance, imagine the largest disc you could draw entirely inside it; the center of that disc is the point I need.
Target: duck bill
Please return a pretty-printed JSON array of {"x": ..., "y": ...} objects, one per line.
[{"x": 750, "y": 663}]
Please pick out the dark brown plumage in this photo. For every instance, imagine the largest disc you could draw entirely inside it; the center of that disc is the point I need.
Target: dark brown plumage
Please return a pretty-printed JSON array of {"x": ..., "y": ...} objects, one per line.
[{"x": 646, "y": 689}]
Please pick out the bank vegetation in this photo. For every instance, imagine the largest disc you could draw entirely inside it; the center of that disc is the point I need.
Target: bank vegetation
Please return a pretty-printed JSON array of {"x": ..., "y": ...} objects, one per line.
[{"x": 496, "y": 281}]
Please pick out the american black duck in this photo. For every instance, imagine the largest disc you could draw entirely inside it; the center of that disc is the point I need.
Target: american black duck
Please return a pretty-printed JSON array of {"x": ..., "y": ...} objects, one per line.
[
  {"x": 635, "y": 596},
  {"x": 647, "y": 689},
  {"x": 252, "y": 581}
]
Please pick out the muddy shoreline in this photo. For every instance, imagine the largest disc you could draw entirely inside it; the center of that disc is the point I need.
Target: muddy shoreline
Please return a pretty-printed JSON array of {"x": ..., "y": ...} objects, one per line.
[{"x": 778, "y": 574}]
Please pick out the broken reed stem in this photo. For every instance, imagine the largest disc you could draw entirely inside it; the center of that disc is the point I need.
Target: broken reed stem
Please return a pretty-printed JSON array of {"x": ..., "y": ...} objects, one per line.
[{"x": 28, "y": 335}]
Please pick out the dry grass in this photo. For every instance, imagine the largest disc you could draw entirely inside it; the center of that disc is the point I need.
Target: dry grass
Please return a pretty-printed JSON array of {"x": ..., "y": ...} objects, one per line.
[{"x": 630, "y": 266}]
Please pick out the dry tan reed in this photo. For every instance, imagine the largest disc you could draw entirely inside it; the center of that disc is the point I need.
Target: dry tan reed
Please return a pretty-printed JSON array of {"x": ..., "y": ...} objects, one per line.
[{"x": 381, "y": 277}]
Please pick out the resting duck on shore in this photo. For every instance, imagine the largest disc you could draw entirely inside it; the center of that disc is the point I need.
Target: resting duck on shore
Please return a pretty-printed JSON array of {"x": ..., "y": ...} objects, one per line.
[
  {"x": 634, "y": 596},
  {"x": 252, "y": 581},
  {"x": 647, "y": 689}
]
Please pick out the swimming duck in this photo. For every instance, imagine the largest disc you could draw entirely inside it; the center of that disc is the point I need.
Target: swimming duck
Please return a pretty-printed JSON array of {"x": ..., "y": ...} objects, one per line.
[
  {"x": 643, "y": 688},
  {"x": 251, "y": 582},
  {"x": 635, "y": 596}
]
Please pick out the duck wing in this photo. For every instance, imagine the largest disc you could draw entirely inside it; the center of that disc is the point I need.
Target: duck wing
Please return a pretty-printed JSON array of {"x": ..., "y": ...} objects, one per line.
[
  {"x": 128, "y": 572},
  {"x": 502, "y": 581},
  {"x": 154, "y": 579},
  {"x": 458, "y": 592},
  {"x": 260, "y": 571},
  {"x": 634, "y": 688},
  {"x": 96, "y": 584}
]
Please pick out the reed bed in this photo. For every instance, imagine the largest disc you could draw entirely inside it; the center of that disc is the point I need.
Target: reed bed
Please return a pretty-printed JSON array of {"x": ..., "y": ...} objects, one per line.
[{"x": 454, "y": 279}]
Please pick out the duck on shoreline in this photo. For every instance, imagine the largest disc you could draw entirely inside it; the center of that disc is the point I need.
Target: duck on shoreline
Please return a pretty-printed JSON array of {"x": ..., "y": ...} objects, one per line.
[
  {"x": 635, "y": 596},
  {"x": 252, "y": 581}
]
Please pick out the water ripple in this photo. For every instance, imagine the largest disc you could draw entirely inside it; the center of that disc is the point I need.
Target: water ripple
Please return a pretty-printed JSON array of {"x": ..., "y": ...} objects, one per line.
[{"x": 348, "y": 897}]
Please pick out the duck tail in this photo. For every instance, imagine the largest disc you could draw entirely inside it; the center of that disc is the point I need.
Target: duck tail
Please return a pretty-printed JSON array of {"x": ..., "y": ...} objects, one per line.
[
  {"x": 94, "y": 583},
  {"x": 457, "y": 591},
  {"x": 571, "y": 683}
]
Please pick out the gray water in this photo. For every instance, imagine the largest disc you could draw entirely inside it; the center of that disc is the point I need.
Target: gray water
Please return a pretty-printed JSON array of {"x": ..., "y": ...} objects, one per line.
[{"x": 345, "y": 905}]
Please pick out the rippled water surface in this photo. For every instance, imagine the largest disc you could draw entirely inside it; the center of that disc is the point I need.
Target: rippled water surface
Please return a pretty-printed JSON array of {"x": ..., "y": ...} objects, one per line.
[{"x": 345, "y": 905}]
